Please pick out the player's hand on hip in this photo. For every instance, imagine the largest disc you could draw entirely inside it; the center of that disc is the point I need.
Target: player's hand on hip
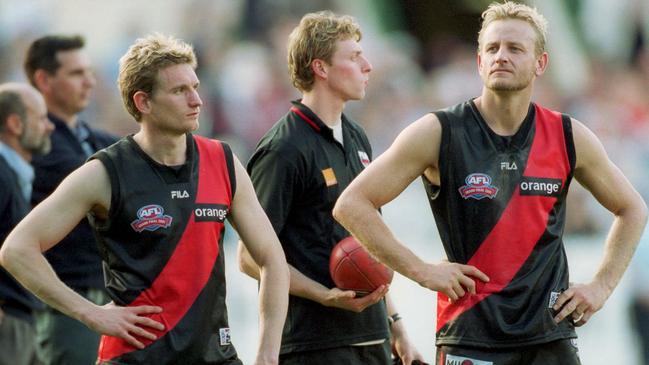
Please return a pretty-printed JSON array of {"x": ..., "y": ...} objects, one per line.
[
  {"x": 348, "y": 300},
  {"x": 127, "y": 323},
  {"x": 453, "y": 279},
  {"x": 580, "y": 302}
]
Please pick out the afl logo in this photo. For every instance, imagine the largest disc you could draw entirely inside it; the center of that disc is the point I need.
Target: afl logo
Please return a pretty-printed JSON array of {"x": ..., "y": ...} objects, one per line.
[
  {"x": 150, "y": 218},
  {"x": 478, "y": 186}
]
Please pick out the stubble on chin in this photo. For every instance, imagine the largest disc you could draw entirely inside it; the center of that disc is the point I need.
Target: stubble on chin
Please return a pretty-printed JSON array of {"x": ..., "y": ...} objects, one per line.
[{"x": 507, "y": 85}]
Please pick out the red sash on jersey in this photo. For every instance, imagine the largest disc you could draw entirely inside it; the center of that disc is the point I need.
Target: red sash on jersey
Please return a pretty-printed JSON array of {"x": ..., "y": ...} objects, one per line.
[
  {"x": 189, "y": 268},
  {"x": 510, "y": 243}
]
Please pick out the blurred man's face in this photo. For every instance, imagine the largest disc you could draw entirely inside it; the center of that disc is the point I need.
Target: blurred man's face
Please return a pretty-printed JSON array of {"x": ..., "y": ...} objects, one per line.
[
  {"x": 175, "y": 104},
  {"x": 507, "y": 60},
  {"x": 348, "y": 73},
  {"x": 70, "y": 86},
  {"x": 36, "y": 128}
]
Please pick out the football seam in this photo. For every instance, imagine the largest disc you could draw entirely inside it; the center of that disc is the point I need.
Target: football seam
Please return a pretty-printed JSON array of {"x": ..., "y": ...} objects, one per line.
[{"x": 367, "y": 280}]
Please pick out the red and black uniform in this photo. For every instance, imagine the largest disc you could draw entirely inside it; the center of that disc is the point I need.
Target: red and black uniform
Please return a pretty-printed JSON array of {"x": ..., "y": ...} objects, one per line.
[
  {"x": 501, "y": 207},
  {"x": 162, "y": 246}
]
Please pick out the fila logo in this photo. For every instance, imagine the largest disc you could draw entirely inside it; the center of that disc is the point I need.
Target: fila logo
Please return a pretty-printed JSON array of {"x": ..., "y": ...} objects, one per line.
[
  {"x": 508, "y": 166},
  {"x": 179, "y": 194}
]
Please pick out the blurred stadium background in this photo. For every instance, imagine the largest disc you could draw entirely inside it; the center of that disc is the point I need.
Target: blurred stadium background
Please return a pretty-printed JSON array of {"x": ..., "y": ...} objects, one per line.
[{"x": 423, "y": 53}]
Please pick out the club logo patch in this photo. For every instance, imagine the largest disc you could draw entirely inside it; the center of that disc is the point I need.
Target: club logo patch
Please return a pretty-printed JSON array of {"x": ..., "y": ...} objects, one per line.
[
  {"x": 365, "y": 159},
  {"x": 329, "y": 176},
  {"x": 478, "y": 186},
  {"x": 461, "y": 360},
  {"x": 150, "y": 218}
]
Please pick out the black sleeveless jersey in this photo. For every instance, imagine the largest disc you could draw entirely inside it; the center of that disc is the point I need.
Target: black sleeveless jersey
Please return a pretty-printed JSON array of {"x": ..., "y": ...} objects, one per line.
[
  {"x": 500, "y": 206},
  {"x": 162, "y": 245}
]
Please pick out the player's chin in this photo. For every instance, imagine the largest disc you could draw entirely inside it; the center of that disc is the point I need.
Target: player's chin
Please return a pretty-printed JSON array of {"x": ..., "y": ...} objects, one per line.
[
  {"x": 357, "y": 96},
  {"x": 185, "y": 128},
  {"x": 503, "y": 86},
  {"x": 193, "y": 125}
]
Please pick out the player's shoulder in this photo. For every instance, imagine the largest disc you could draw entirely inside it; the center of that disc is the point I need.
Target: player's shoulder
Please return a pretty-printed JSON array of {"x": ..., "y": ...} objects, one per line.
[
  {"x": 284, "y": 144},
  {"x": 288, "y": 138},
  {"x": 277, "y": 149},
  {"x": 456, "y": 111},
  {"x": 578, "y": 126},
  {"x": 94, "y": 170},
  {"x": 118, "y": 146},
  {"x": 582, "y": 135},
  {"x": 426, "y": 125},
  {"x": 421, "y": 139}
]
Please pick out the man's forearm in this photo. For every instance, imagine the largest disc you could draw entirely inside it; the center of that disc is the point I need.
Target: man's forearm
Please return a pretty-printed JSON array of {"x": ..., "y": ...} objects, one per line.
[
  {"x": 273, "y": 304},
  {"x": 300, "y": 285},
  {"x": 31, "y": 269},
  {"x": 620, "y": 245},
  {"x": 363, "y": 220}
]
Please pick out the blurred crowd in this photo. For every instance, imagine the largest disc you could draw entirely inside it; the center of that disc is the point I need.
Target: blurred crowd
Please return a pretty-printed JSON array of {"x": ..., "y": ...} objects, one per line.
[{"x": 241, "y": 46}]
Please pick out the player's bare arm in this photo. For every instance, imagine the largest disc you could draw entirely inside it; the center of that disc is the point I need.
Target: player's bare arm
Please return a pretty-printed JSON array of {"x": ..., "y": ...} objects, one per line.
[
  {"x": 597, "y": 173},
  {"x": 87, "y": 189},
  {"x": 413, "y": 153},
  {"x": 253, "y": 226},
  {"x": 305, "y": 287}
]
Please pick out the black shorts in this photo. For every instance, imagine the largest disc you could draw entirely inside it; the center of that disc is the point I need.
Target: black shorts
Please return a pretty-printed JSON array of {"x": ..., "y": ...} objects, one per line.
[
  {"x": 561, "y": 352},
  {"x": 346, "y": 355}
]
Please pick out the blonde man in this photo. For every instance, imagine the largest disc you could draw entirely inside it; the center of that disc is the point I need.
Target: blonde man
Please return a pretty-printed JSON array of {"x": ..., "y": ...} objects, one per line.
[
  {"x": 497, "y": 170},
  {"x": 159, "y": 220},
  {"x": 299, "y": 169}
]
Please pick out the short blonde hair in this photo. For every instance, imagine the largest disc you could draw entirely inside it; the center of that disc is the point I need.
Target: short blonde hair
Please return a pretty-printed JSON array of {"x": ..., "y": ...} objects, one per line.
[
  {"x": 512, "y": 10},
  {"x": 315, "y": 38},
  {"x": 138, "y": 68}
]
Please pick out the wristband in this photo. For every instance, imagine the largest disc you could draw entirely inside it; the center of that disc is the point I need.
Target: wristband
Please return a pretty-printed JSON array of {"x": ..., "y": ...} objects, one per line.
[{"x": 393, "y": 318}]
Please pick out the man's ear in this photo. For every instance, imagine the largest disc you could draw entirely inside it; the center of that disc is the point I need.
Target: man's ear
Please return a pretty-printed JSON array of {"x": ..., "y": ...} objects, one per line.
[
  {"x": 42, "y": 80},
  {"x": 142, "y": 102},
  {"x": 14, "y": 125},
  {"x": 541, "y": 64},
  {"x": 319, "y": 68}
]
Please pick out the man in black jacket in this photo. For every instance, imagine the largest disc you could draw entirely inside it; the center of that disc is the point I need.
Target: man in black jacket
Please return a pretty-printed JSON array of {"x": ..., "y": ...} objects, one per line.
[
  {"x": 24, "y": 130},
  {"x": 60, "y": 69}
]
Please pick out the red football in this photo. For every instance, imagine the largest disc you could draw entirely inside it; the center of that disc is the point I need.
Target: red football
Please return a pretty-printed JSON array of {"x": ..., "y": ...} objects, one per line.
[{"x": 353, "y": 268}]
